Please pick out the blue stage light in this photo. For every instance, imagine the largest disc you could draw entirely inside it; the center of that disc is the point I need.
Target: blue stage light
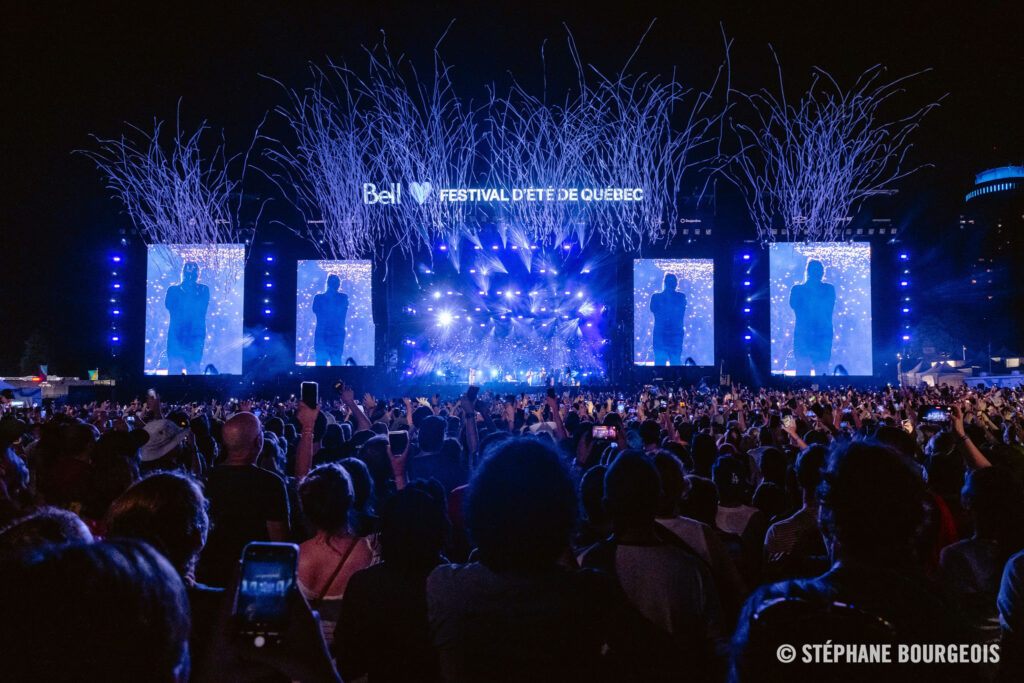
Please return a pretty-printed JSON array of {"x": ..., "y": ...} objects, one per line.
[
  {"x": 906, "y": 337},
  {"x": 115, "y": 338},
  {"x": 117, "y": 285},
  {"x": 444, "y": 318},
  {"x": 443, "y": 247},
  {"x": 494, "y": 247},
  {"x": 266, "y": 311},
  {"x": 266, "y": 338},
  {"x": 116, "y": 312},
  {"x": 904, "y": 256},
  {"x": 746, "y": 257},
  {"x": 566, "y": 247},
  {"x": 906, "y": 310},
  {"x": 746, "y": 283},
  {"x": 746, "y": 310},
  {"x": 747, "y": 337},
  {"x": 437, "y": 295},
  {"x": 904, "y": 283},
  {"x": 268, "y": 285},
  {"x": 270, "y": 259},
  {"x": 116, "y": 259},
  {"x": 472, "y": 270}
]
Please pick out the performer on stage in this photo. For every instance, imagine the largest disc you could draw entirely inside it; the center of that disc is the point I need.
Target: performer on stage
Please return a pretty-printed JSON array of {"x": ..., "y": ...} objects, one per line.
[
  {"x": 813, "y": 303},
  {"x": 669, "y": 309},
  {"x": 186, "y": 334},
  {"x": 330, "y": 308}
]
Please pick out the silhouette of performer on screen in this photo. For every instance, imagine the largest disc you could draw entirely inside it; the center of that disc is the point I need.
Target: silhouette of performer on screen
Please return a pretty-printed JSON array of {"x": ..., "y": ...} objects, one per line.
[
  {"x": 186, "y": 333},
  {"x": 330, "y": 309},
  {"x": 669, "y": 309},
  {"x": 813, "y": 303}
]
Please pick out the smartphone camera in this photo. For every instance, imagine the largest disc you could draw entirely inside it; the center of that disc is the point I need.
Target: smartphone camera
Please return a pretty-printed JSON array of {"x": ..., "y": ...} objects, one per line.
[
  {"x": 310, "y": 394},
  {"x": 268, "y": 578},
  {"x": 399, "y": 441},
  {"x": 935, "y": 414}
]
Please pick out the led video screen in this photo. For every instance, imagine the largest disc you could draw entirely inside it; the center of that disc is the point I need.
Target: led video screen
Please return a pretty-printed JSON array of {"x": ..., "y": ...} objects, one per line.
[
  {"x": 821, "y": 308},
  {"x": 674, "y": 311},
  {"x": 334, "y": 313},
  {"x": 194, "y": 297},
  {"x": 507, "y": 313}
]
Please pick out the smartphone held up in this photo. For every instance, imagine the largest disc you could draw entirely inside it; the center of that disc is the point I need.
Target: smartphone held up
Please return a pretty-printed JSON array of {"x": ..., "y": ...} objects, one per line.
[{"x": 268, "y": 580}]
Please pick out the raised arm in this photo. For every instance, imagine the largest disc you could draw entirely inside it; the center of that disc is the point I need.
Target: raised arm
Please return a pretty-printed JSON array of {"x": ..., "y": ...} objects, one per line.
[
  {"x": 304, "y": 451},
  {"x": 348, "y": 397},
  {"x": 973, "y": 458}
]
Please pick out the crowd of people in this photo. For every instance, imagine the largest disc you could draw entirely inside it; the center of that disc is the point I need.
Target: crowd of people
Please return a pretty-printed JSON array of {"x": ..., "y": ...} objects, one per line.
[{"x": 660, "y": 533}]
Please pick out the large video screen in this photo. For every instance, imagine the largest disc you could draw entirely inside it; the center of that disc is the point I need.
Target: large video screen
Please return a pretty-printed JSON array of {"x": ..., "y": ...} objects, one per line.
[
  {"x": 674, "y": 311},
  {"x": 334, "y": 313},
  {"x": 821, "y": 308},
  {"x": 507, "y": 312},
  {"x": 194, "y": 297}
]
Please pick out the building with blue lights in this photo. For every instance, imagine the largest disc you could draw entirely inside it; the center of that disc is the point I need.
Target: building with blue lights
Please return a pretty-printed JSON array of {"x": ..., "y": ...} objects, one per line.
[{"x": 992, "y": 235}]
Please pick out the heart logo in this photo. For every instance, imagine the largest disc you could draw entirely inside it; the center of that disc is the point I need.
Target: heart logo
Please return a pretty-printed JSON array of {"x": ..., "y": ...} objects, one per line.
[{"x": 420, "y": 191}]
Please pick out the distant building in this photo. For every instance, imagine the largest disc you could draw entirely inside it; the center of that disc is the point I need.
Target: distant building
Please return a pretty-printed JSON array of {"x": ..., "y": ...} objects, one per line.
[{"x": 992, "y": 225}]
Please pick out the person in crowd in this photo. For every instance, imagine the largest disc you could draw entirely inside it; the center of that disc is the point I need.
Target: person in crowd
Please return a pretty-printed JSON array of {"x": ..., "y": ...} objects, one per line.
[
  {"x": 515, "y": 613},
  {"x": 246, "y": 503},
  {"x": 165, "y": 447},
  {"x": 46, "y": 525},
  {"x": 362, "y": 516},
  {"x": 112, "y": 611},
  {"x": 65, "y": 479},
  {"x": 1010, "y": 604},
  {"x": 14, "y": 473},
  {"x": 677, "y": 627},
  {"x": 439, "y": 457},
  {"x": 872, "y": 502},
  {"x": 329, "y": 559},
  {"x": 972, "y": 568},
  {"x": 794, "y": 547},
  {"x": 734, "y": 516},
  {"x": 595, "y": 525},
  {"x": 169, "y": 512},
  {"x": 116, "y": 465},
  {"x": 699, "y": 537},
  {"x": 383, "y": 631}
]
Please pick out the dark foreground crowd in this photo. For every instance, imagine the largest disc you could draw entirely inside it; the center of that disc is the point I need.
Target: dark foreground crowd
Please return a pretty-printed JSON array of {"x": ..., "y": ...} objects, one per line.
[{"x": 665, "y": 534}]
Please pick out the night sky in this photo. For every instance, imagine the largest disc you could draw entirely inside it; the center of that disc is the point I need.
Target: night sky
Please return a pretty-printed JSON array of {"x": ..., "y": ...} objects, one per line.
[{"x": 86, "y": 68}]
